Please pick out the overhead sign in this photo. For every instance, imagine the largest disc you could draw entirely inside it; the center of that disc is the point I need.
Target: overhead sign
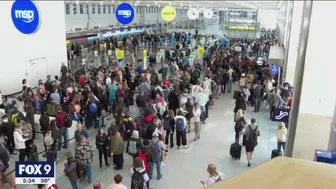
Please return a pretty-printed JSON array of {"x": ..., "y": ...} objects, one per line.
[
  {"x": 208, "y": 13},
  {"x": 274, "y": 69},
  {"x": 168, "y": 13},
  {"x": 26, "y": 16},
  {"x": 281, "y": 115},
  {"x": 193, "y": 13},
  {"x": 125, "y": 13},
  {"x": 242, "y": 21},
  {"x": 242, "y": 27}
]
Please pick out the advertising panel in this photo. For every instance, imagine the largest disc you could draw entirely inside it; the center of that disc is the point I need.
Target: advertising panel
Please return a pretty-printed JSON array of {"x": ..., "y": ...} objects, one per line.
[
  {"x": 125, "y": 13},
  {"x": 26, "y": 16},
  {"x": 168, "y": 13}
]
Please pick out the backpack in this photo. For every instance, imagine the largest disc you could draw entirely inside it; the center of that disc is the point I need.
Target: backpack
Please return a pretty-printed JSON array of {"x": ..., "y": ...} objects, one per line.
[
  {"x": 166, "y": 123},
  {"x": 144, "y": 159},
  {"x": 48, "y": 139},
  {"x": 93, "y": 107},
  {"x": 138, "y": 180},
  {"x": 234, "y": 75},
  {"x": 15, "y": 119},
  {"x": 180, "y": 124},
  {"x": 153, "y": 79},
  {"x": 68, "y": 120},
  {"x": 226, "y": 77},
  {"x": 132, "y": 147},
  {"x": 156, "y": 150},
  {"x": 253, "y": 136},
  {"x": 217, "y": 180}
]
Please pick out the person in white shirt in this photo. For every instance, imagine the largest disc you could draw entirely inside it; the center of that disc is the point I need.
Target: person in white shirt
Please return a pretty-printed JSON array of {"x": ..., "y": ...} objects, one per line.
[
  {"x": 281, "y": 136},
  {"x": 197, "y": 121},
  {"x": 108, "y": 81},
  {"x": 229, "y": 84},
  {"x": 20, "y": 142},
  {"x": 214, "y": 176},
  {"x": 195, "y": 89}
]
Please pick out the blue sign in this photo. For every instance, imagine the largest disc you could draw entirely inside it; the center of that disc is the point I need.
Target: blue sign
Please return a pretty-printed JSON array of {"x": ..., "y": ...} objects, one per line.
[
  {"x": 104, "y": 31},
  {"x": 129, "y": 28},
  {"x": 153, "y": 25},
  {"x": 141, "y": 27},
  {"x": 113, "y": 30},
  {"x": 26, "y": 16},
  {"x": 281, "y": 115},
  {"x": 125, "y": 13},
  {"x": 325, "y": 156},
  {"x": 147, "y": 26},
  {"x": 121, "y": 29},
  {"x": 274, "y": 69}
]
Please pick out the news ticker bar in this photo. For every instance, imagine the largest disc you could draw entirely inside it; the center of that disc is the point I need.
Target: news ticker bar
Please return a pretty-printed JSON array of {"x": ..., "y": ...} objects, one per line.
[{"x": 32, "y": 180}]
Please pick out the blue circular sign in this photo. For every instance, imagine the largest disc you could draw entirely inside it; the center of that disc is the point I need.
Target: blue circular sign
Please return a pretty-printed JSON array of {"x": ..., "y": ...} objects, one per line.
[
  {"x": 125, "y": 13},
  {"x": 274, "y": 69},
  {"x": 26, "y": 16}
]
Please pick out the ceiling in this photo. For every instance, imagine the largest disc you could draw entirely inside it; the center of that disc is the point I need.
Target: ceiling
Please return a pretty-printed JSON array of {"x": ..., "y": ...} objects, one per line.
[{"x": 267, "y": 5}]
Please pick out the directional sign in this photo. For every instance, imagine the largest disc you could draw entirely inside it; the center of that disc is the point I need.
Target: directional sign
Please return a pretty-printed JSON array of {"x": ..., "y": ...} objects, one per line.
[
  {"x": 281, "y": 115},
  {"x": 274, "y": 69}
]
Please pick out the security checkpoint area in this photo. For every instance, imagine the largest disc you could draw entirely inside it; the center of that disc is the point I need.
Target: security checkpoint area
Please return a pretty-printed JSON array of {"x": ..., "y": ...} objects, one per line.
[{"x": 165, "y": 95}]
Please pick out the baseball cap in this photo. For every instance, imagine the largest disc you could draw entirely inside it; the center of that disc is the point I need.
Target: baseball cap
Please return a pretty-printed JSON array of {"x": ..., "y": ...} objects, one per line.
[{"x": 155, "y": 135}]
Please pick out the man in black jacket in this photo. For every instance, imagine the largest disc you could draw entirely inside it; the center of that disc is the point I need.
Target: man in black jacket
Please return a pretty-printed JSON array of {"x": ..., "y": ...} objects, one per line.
[
  {"x": 7, "y": 131},
  {"x": 5, "y": 176},
  {"x": 31, "y": 117}
]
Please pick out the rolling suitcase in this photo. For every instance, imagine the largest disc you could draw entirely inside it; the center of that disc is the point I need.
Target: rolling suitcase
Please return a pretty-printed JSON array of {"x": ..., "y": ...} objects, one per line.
[
  {"x": 235, "y": 150},
  {"x": 276, "y": 153}
]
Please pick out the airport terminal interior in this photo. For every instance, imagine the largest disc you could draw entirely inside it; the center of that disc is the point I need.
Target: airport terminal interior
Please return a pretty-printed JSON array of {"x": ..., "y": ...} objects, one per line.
[{"x": 226, "y": 93}]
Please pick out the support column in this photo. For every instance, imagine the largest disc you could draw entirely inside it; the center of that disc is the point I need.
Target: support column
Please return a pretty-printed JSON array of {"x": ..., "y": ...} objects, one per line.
[{"x": 314, "y": 92}]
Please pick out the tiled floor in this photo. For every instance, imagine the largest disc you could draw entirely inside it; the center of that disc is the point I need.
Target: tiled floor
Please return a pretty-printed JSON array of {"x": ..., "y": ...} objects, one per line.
[{"x": 183, "y": 165}]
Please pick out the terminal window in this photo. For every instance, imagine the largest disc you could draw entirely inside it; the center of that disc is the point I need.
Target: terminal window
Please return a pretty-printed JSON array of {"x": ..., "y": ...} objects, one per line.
[
  {"x": 104, "y": 9},
  {"x": 99, "y": 9},
  {"x": 93, "y": 9},
  {"x": 109, "y": 9},
  {"x": 67, "y": 9},
  {"x": 113, "y": 8},
  {"x": 81, "y": 9},
  {"x": 74, "y": 8}
]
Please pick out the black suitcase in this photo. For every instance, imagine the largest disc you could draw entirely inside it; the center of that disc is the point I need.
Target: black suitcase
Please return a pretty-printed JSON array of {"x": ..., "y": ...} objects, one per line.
[
  {"x": 235, "y": 150},
  {"x": 276, "y": 153}
]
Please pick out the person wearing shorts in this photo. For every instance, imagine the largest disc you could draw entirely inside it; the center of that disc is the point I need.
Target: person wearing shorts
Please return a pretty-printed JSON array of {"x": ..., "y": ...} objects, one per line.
[{"x": 197, "y": 121}]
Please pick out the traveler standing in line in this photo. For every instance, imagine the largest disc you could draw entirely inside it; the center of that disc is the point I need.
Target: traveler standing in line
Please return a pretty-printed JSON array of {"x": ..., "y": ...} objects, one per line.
[
  {"x": 117, "y": 149},
  {"x": 84, "y": 155},
  {"x": 252, "y": 132},
  {"x": 5, "y": 175},
  {"x": 197, "y": 121},
  {"x": 181, "y": 127},
  {"x": 169, "y": 126},
  {"x": 70, "y": 167},
  {"x": 137, "y": 170},
  {"x": 62, "y": 130},
  {"x": 112, "y": 89},
  {"x": 7, "y": 130},
  {"x": 31, "y": 117},
  {"x": 156, "y": 148},
  {"x": 229, "y": 84},
  {"x": 276, "y": 102},
  {"x": 98, "y": 185},
  {"x": 214, "y": 176},
  {"x": 258, "y": 94},
  {"x": 118, "y": 183},
  {"x": 281, "y": 136},
  {"x": 134, "y": 144},
  {"x": 20, "y": 142},
  {"x": 101, "y": 143},
  {"x": 80, "y": 132}
]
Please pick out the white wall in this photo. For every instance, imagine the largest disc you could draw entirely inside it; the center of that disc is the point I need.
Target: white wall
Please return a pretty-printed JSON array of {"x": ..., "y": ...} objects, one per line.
[
  {"x": 294, "y": 41},
  {"x": 267, "y": 18},
  {"x": 281, "y": 21},
  {"x": 46, "y": 48},
  {"x": 318, "y": 93}
]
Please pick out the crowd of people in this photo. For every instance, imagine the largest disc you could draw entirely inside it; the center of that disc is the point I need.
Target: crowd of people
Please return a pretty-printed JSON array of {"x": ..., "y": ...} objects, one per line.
[{"x": 174, "y": 100}]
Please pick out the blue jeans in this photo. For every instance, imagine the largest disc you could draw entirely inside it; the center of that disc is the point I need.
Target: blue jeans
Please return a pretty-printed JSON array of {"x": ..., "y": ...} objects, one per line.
[
  {"x": 62, "y": 132},
  {"x": 73, "y": 182},
  {"x": 151, "y": 169},
  {"x": 113, "y": 105},
  {"x": 229, "y": 86},
  {"x": 257, "y": 105},
  {"x": 88, "y": 171},
  {"x": 142, "y": 110}
]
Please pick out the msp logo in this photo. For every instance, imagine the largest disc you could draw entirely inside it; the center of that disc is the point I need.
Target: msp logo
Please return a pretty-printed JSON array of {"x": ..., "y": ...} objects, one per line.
[
  {"x": 125, "y": 13},
  {"x": 26, "y": 16}
]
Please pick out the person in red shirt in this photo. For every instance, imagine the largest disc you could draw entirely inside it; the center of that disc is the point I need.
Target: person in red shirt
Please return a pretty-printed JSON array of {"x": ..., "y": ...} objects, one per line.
[
  {"x": 62, "y": 129},
  {"x": 82, "y": 80}
]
